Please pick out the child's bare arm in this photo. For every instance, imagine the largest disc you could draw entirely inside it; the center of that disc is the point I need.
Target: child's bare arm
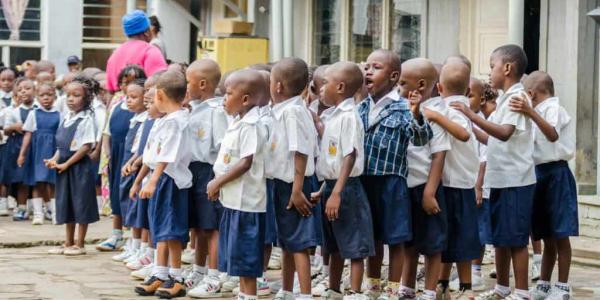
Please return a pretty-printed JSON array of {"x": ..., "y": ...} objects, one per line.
[
  {"x": 150, "y": 187},
  {"x": 51, "y": 162},
  {"x": 518, "y": 104},
  {"x": 430, "y": 204},
  {"x": 453, "y": 128},
  {"x": 79, "y": 154},
  {"x": 501, "y": 132},
  {"x": 24, "y": 147},
  {"x": 479, "y": 184},
  {"x": 135, "y": 188},
  {"x": 95, "y": 154},
  {"x": 241, "y": 167},
  {"x": 18, "y": 127},
  {"x": 334, "y": 201},
  {"x": 297, "y": 199},
  {"x": 481, "y": 136}
]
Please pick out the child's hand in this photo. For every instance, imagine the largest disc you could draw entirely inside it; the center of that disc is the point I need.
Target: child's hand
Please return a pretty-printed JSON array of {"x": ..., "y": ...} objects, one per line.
[
  {"x": 463, "y": 108},
  {"x": 133, "y": 168},
  {"x": 50, "y": 163},
  {"x": 333, "y": 206},
  {"x": 431, "y": 115},
  {"x": 125, "y": 170},
  {"x": 520, "y": 104},
  {"x": 61, "y": 167},
  {"x": 148, "y": 190},
  {"x": 21, "y": 160},
  {"x": 134, "y": 190},
  {"x": 315, "y": 197},
  {"x": 430, "y": 205},
  {"x": 212, "y": 189},
  {"x": 94, "y": 155},
  {"x": 414, "y": 99},
  {"x": 299, "y": 201},
  {"x": 478, "y": 195}
]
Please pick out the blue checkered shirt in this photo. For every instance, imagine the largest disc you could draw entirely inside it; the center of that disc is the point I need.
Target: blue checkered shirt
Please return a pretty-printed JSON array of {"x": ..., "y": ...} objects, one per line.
[{"x": 386, "y": 140}]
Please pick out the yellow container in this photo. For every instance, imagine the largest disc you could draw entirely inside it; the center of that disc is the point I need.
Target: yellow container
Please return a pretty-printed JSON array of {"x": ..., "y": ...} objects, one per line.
[{"x": 233, "y": 53}]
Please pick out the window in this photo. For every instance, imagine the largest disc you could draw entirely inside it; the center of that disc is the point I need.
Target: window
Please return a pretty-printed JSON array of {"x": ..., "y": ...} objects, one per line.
[
  {"x": 407, "y": 24},
  {"x": 28, "y": 27},
  {"x": 327, "y": 27},
  {"x": 365, "y": 28}
]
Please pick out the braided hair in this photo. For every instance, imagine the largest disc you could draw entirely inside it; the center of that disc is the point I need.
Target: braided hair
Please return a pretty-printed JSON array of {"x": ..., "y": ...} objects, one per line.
[
  {"x": 489, "y": 93},
  {"x": 90, "y": 87}
]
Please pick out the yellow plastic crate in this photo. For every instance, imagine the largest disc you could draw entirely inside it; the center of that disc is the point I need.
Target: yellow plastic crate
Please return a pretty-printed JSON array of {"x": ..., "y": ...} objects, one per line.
[{"x": 233, "y": 53}]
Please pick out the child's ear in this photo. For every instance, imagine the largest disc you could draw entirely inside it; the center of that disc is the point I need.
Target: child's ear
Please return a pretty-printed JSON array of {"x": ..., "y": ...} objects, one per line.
[
  {"x": 340, "y": 87},
  {"x": 421, "y": 84},
  {"x": 467, "y": 92},
  {"x": 439, "y": 87},
  {"x": 531, "y": 94},
  {"x": 279, "y": 87},
  {"x": 395, "y": 76},
  {"x": 245, "y": 100},
  {"x": 507, "y": 69},
  {"x": 203, "y": 84}
]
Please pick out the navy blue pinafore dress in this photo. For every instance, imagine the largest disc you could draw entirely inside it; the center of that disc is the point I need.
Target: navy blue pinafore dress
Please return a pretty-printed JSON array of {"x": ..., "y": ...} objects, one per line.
[{"x": 119, "y": 125}]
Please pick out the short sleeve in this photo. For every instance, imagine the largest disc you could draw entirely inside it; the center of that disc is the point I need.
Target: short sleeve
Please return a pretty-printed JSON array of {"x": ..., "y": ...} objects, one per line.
[
  {"x": 349, "y": 135},
  {"x": 508, "y": 117},
  {"x": 84, "y": 134},
  {"x": 219, "y": 126},
  {"x": 248, "y": 140},
  {"x": 169, "y": 141},
  {"x": 297, "y": 133},
  {"x": 440, "y": 141},
  {"x": 30, "y": 123},
  {"x": 100, "y": 118}
]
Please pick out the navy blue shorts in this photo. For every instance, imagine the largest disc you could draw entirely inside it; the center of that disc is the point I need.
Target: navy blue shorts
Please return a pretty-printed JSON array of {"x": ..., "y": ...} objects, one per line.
[
  {"x": 510, "y": 209},
  {"x": 484, "y": 219},
  {"x": 270, "y": 222},
  {"x": 294, "y": 232},
  {"x": 352, "y": 233},
  {"x": 241, "y": 243},
  {"x": 555, "y": 202},
  {"x": 203, "y": 214},
  {"x": 390, "y": 208},
  {"x": 430, "y": 232},
  {"x": 463, "y": 228},
  {"x": 168, "y": 212}
]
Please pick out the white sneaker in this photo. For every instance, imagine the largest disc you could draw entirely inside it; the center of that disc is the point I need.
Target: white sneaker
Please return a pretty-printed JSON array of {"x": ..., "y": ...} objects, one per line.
[
  {"x": 230, "y": 283},
  {"x": 193, "y": 279},
  {"x": 112, "y": 243},
  {"x": 74, "y": 251},
  {"x": 356, "y": 296},
  {"x": 557, "y": 293},
  {"x": 263, "y": 289},
  {"x": 283, "y": 295},
  {"x": 142, "y": 261},
  {"x": 534, "y": 271},
  {"x": 57, "y": 250},
  {"x": 209, "y": 288},
  {"x": 38, "y": 219},
  {"x": 489, "y": 256},
  {"x": 125, "y": 254},
  {"x": 142, "y": 273},
  {"x": 330, "y": 294},
  {"x": 420, "y": 279},
  {"x": 3, "y": 207},
  {"x": 12, "y": 202},
  {"x": 539, "y": 292},
  {"x": 136, "y": 254},
  {"x": 319, "y": 285},
  {"x": 477, "y": 282},
  {"x": 188, "y": 256},
  {"x": 275, "y": 259}
]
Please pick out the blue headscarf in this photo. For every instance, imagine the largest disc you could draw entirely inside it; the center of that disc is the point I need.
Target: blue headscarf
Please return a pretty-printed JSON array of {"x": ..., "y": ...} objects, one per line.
[{"x": 135, "y": 22}]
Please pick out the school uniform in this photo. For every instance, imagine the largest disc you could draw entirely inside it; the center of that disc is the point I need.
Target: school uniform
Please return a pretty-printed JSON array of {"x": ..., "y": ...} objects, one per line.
[
  {"x": 351, "y": 235},
  {"x": 510, "y": 175},
  {"x": 61, "y": 104},
  {"x": 6, "y": 98},
  {"x": 430, "y": 232},
  {"x": 292, "y": 132},
  {"x": 132, "y": 141},
  {"x": 484, "y": 218},
  {"x": 266, "y": 118},
  {"x": 117, "y": 128},
  {"x": 168, "y": 207},
  {"x": 3, "y": 138},
  {"x": 555, "y": 199},
  {"x": 43, "y": 125},
  {"x": 140, "y": 207},
  {"x": 389, "y": 126},
  {"x": 75, "y": 188},
  {"x": 208, "y": 123},
  {"x": 242, "y": 228},
  {"x": 11, "y": 173},
  {"x": 100, "y": 119}
]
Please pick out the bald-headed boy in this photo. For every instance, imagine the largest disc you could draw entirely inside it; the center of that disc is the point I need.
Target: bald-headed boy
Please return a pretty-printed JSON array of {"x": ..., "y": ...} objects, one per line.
[
  {"x": 390, "y": 122},
  {"x": 554, "y": 216},
  {"x": 347, "y": 224},
  {"x": 292, "y": 152},
  {"x": 239, "y": 182},
  {"x": 208, "y": 123}
]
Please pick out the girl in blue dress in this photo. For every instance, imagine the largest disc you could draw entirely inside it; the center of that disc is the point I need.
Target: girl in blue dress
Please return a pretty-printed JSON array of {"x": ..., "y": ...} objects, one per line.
[
  {"x": 75, "y": 180},
  {"x": 38, "y": 145}
]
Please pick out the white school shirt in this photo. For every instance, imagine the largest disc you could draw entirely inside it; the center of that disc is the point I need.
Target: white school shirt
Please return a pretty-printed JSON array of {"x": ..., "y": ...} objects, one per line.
[
  {"x": 123, "y": 105},
  {"x": 314, "y": 106},
  {"x": 510, "y": 163},
  {"x": 343, "y": 134},
  {"x": 86, "y": 130},
  {"x": 166, "y": 144},
  {"x": 61, "y": 104},
  {"x": 137, "y": 118},
  {"x": 3, "y": 111},
  {"x": 99, "y": 116},
  {"x": 13, "y": 116},
  {"x": 245, "y": 137},
  {"x": 208, "y": 123},
  {"x": 482, "y": 151},
  {"x": 4, "y": 95},
  {"x": 376, "y": 108},
  {"x": 563, "y": 148},
  {"x": 462, "y": 161},
  {"x": 419, "y": 158},
  {"x": 293, "y": 131},
  {"x": 266, "y": 118},
  {"x": 31, "y": 122}
]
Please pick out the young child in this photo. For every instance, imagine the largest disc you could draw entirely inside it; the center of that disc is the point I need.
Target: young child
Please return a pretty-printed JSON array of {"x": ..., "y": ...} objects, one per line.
[
  {"x": 40, "y": 129},
  {"x": 240, "y": 182},
  {"x": 135, "y": 104},
  {"x": 114, "y": 138},
  {"x": 555, "y": 216},
  {"x": 425, "y": 165},
  {"x": 167, "y": 157},
  {"x": 208, "y": 123},
  {"x": 75, "y": 188},
  {"x": 12, "y": 174},
  {"x": 293, "y": 145},
  {"x": 389, "y": 126},
  {"x": 7, "y": 78},
  {"x": 510, "y": 172},
  {"x": 347, "y": 224},
  {"x": 99, "y": 108}
]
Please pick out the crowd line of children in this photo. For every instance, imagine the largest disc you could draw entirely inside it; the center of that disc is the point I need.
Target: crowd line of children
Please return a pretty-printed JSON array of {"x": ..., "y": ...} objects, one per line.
[{"x": 360, "y": 161}]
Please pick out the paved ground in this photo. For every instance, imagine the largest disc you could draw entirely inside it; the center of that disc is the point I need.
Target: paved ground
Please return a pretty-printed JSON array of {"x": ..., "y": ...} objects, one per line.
[{"x": 29, "y": 273}]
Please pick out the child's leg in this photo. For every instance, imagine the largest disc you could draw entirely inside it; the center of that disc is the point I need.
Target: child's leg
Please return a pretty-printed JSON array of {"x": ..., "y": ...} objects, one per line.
[
  {"x": 81, "y": 233},
  {"x": 212, "y": 237},
  {"x": 162, "y": 254},
  {"x": 409, "y": 269},
  {"x": 266, "y": 257},
  {"x": 201, "y": 247},
  {"x": 136, "y": 234},
  {"x": 145, "y": 236},
  {"x": 336, "y": 267},
  {"x": 22, "y": 194},
  {"x": 396, "y": 261},
  {"x": 325, "y": 255},
  {"x": 70, "y": 231},
  {"x": 464, "y": 274},
  {"x": 248, "y": 286},
  {"x": 374, "y": 262},
  {"x": 193, "y": 239},
  {"x": 520, "y": 258},
  {"x": 302, "y": 264},
  {"x": 433, "y": 266},
  {"x": 548, "y": 259},
  {"x": 357, "y": 269},
  {"x": 503, "y": 257},
  {"x": 287, "y": 270},
  {"x": 174, "y": 250},
  {"x": 563, "y": 248}
]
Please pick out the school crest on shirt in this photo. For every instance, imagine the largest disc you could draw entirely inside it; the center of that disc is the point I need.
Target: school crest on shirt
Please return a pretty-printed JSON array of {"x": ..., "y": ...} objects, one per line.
[
  {"x": 273, "y": 145},
  {"x": 73, "y": 143},
  {"x": 332, "y": 149},
  {"x": 226, "y": 158},
  {"x": 200, "y": 133}
]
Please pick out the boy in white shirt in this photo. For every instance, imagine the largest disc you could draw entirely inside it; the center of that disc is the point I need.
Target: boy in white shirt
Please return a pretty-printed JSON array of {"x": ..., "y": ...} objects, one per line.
[
  {"x": 554, "y": 216},
  {"x": 240, "y": 182},
  {"x": 509, "y": 172},
  {"x": 168, "y": 187},
  {"x": 208, "y": 123},
  {"x": 348, "y": 228}
]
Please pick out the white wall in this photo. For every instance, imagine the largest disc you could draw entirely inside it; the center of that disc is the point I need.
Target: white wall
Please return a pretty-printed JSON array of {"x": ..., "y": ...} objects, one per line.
[
  {"x": 62, "y": 31},
  {"x": 176, "y": 28},
  {"x": 443, "y": 24}
]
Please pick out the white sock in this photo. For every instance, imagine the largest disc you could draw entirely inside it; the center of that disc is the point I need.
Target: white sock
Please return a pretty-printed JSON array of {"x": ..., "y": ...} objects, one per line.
[
  {"x": 143, "y": 246},
  {"x": 99, "y": 201},
  {"x": 136, "y": 243},
  {"x": 22, "y": 207},
  {"x": 429, "y": 294},
  {"x": 117, "y": 233},
  {"x": 502, "y": 290},
  {"x": 213, "y": 273},
  {"x": 537, "y": 258},
  {"x": 522, "y": 293},
  {"x": 176, "y": 273},
  {"x": 38, "y": 206},
  {"x": 199, "y": 269},
  {"x": 250, "y": 297},
  {"x": 161, "y": 272},
  {"x": 543, "y": 283},
  {"x": 150, "y": 252},
  {"x": 304, "y": 296},
  {"x": 155, "y": 255},
  {"x": 326, "y": 270}
]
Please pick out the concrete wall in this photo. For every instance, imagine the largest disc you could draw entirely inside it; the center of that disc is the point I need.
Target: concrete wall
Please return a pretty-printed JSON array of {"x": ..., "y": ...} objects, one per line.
[
  {"x": 176, "y": 28},
  {"x": 62, "y": 31},
  {"x": 443, "y": 28}
]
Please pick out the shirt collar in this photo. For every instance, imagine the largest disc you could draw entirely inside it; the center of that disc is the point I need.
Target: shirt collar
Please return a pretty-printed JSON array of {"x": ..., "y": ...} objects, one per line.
[
  {"x": 52, "y": 109},
  {"x": 251, "y": 117},
  {"x": 278, "y": 108},
  {"x": 547, "y": 102},
  {"x": 347, "y": 105},
  {"x": 393, "y": 95},
  {"x": 72, "y": 115},
  {"x": 212, "y": 102},
  {"x": 515, "y": 88},
  {"x": 97, "y": 103},
  {"x": 456, "y": 98},
  {"x": 140, "y": 118},
  {"x": 27, "y": 107}
]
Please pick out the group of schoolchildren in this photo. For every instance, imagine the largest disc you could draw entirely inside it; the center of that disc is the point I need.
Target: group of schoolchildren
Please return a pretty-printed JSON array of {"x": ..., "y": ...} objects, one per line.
[{"x": 407, "y": 159}]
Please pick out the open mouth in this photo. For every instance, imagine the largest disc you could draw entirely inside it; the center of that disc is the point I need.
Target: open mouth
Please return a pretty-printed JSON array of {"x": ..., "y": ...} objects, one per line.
[{"x": 369, "y": 83}]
